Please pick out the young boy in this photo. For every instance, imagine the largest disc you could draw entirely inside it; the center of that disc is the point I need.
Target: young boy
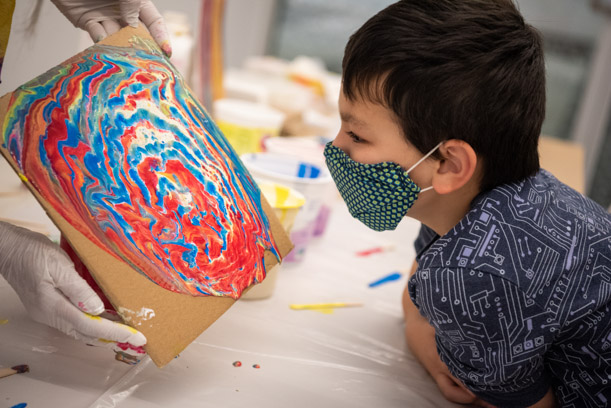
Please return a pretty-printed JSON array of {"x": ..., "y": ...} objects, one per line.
[{"x": 509, "y": 300}]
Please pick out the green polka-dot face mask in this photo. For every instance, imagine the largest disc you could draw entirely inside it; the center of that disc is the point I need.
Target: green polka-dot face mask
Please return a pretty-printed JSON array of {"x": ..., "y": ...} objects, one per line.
[{"x": 378, "y": 195}]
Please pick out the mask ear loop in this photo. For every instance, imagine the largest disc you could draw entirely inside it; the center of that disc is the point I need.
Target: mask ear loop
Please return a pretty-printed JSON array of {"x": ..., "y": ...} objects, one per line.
[{"x": 423, "y": 159}]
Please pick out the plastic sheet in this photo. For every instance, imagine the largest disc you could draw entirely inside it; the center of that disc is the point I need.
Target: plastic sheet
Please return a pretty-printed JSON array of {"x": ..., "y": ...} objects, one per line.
[{"x": 353, "y": 356}]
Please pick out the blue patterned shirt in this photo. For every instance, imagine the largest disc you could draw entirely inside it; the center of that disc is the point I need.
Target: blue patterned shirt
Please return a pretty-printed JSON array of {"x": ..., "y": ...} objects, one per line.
[{"x": 519, "y": 294}]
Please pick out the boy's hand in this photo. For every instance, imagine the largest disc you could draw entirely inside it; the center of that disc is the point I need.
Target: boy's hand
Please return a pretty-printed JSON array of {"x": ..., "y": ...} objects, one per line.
[
  {"x": 421, "y": 340},
  {"x": 455, "y": 391}
]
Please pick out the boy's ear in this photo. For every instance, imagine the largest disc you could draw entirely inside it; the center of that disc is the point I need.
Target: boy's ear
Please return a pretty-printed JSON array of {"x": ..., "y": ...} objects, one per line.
[{"x": 456, "y": 168}]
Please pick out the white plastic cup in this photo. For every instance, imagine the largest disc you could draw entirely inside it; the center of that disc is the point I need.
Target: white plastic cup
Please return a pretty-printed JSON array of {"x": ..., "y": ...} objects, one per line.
[
  {"x": 309, "y": 179},
  {"x": 309, "y": 149},
  {"x": 287, "y": 203},
  {"x": 247, "y": 124}
]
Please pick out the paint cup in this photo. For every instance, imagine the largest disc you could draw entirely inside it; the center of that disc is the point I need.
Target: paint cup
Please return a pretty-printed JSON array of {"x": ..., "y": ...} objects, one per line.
[
  {"x": 309, "y": 149},
  {"x": 309, "y": 179},
  {"x": 287, "y": 203},
  {"x": 247, "y": 124}
]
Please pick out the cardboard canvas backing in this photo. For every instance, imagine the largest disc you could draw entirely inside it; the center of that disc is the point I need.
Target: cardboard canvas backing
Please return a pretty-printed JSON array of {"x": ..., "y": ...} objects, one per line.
[{"x": 176, "y": 319}]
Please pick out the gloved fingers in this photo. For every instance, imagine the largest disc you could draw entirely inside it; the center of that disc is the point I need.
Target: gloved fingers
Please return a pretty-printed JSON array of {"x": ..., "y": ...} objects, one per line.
[
  {"x": 65, "y": 278},
  {"x": 82, "y": 295},
  {"x": 149, "y": 14},
  {"x": 96, "y": 30},
  {"x": 115, "y": 346},
  {"x": 128, "y": 352},
  {"x": 130, "y": 9},
  {"x": 75, "y": 321},
  {"x": 124, "y": 352},
  {"x": 113, "y": 331},
  {"x": 111, "y": 26},
  {"x": 153, "y": 21}
]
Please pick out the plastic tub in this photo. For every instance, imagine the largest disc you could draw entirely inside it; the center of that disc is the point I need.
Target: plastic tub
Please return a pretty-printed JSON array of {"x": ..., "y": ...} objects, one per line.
[
  {"x": 310, "y": 149},
  {"x": 311, "y": 180},
  {"x": 247, "y": 124}
]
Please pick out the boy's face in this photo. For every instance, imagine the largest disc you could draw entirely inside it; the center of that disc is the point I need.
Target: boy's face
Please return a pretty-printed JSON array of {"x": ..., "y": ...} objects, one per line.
[{"x": 370, "y": 134}]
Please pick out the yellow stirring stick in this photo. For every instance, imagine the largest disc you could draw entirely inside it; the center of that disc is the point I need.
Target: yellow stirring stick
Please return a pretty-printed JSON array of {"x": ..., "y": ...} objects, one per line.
[{"x": 318, "y": 306}]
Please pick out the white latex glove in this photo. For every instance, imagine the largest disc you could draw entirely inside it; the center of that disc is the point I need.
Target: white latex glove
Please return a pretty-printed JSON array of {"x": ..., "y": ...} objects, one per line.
[
  {"x": 53, "y": 293},
  {"x": 101, "y": 18}
]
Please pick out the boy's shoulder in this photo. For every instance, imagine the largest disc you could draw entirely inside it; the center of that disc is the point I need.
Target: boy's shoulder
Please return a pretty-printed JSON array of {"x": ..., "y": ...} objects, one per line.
[{"x": 516, "y": 229}]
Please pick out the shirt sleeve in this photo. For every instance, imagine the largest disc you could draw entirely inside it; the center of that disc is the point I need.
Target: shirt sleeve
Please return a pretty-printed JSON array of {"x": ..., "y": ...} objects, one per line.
[{"x": 489, "y": 333}]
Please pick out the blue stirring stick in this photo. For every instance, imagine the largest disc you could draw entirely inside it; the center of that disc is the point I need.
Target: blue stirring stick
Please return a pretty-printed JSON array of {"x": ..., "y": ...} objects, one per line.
[{"x": 388, "y": 278}]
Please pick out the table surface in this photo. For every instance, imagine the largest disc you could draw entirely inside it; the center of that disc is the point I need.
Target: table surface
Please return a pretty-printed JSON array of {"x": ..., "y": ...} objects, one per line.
[{"x": 354, "y": 357}]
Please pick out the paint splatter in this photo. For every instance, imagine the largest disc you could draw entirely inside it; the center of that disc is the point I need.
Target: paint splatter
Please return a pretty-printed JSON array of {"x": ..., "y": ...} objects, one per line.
[
  {"x": 137, "y": 318},
  {"x": 374, "y": 250},
  {"x": 127, "y": 346},
  {"x": 118, "y": 145},
  {"x": 325, "y": 308},
  {"x": 20, "y": 405},
  {"x": 237, "y": 364},
  {"x": 256, "y": 366},
  {"x": 3, "y": 321},
  {"x": 388, "y": 278},
  {"x": 45, "y": 349}
]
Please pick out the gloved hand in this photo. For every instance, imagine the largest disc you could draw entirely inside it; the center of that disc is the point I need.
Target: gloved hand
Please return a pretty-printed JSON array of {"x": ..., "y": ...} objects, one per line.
[
  {"x": 53, "y": 293},
  {"x": 101, "y": 18}
]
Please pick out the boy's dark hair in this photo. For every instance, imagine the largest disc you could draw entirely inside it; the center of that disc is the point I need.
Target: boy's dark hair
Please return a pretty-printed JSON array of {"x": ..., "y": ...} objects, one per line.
[{"x": 456, "y": 69}]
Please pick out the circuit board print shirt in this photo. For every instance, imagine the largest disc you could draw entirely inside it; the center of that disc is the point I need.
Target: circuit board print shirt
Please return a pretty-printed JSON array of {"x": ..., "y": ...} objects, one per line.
[{"x": 519, "y": 293}]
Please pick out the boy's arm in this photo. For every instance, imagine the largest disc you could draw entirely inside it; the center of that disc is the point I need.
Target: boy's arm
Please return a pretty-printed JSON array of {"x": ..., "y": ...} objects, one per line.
[
  {"x": 548, "y": 401},
  {"x": 420, "y": 337}
]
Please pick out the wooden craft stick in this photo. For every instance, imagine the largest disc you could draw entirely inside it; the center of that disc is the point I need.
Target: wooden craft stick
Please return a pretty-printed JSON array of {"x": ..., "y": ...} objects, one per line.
[{"x": 18, "y": 369}]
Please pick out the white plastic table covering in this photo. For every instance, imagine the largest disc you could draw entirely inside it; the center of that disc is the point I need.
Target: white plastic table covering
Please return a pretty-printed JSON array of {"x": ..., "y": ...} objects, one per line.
[{"x": 353, "y": 357}]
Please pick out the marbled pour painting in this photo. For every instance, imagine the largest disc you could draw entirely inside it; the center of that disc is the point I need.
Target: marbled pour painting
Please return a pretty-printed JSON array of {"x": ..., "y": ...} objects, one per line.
[{"x": 119, "y": 146}]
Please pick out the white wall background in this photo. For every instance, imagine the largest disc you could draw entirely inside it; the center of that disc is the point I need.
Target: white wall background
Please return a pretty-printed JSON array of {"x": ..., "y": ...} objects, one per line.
[
  {"x": 54, "y": 39},
  {"x": 248, "y": 25}
]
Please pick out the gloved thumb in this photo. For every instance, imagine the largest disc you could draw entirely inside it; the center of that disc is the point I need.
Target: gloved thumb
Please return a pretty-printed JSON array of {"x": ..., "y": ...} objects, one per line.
[{"x": 72, "y": 285}]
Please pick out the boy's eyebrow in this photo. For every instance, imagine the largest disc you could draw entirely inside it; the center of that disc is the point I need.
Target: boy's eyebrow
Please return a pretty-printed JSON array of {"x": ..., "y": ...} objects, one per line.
[{"x": 348, "y": 118}]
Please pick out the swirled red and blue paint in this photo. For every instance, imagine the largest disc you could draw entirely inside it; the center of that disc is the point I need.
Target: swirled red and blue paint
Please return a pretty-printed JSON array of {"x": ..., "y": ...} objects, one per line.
[{"x": 119, "y": 146}]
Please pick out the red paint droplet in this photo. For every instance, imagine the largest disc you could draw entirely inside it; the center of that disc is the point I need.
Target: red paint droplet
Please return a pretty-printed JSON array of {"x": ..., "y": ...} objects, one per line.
[
  {"x": 237, "y": 364},
  {"x": 127, "y": 346},
  {"x": 256, "y": 366}
]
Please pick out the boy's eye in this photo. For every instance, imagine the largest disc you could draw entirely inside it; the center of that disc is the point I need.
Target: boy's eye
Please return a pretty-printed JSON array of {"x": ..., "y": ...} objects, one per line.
[{"x": 354, "y": 137}]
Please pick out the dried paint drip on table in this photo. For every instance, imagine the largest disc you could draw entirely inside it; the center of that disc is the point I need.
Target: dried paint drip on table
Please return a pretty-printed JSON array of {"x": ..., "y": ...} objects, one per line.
[{"x": 118, "y": 145}]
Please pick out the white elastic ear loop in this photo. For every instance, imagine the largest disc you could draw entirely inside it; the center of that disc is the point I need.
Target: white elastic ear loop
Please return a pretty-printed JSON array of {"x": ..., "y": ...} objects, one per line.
[{"x": 423, "y": 159}]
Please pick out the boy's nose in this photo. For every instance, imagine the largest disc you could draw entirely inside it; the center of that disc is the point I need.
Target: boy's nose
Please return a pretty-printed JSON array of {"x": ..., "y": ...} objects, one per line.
[{"x": 342, "y": 142}]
